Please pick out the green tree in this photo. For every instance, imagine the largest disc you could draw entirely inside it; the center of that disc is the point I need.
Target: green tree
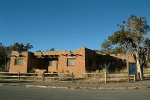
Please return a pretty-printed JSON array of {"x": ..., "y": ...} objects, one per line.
[
  {"x": 3, "y": 56},
  {"x": 21, "y": 47},
  {"x": 119, "y": 49},
  {"x": 132, "y": 36},
  {"x": 52, "y": 49},
  {"x": 106, "y": 47}
]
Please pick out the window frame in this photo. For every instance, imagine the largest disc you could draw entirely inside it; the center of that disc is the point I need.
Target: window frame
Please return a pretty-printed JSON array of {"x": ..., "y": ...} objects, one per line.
[
  {"x": 50, "y": 63},
  {"x": 71, "y": 62},
  {"x": 18, "y": 61}
]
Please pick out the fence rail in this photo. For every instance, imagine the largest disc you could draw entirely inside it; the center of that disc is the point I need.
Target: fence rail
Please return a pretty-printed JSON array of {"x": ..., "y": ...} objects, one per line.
[{"x": 71, "y": 77}]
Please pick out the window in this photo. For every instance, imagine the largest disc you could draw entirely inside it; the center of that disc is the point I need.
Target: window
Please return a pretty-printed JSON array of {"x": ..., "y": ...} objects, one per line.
[
  {"x": 18, "y": 61},
  {"x": 50, "y": 63},
  {"x": 71, "y": 62}
]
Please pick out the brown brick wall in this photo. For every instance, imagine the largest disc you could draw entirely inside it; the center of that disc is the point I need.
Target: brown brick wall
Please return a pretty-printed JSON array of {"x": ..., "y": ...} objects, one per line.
[
  {"x": 60, "y": 64},
  {"x": 53, "y": 67},
  {"x": 79, "y": 62},
  {"x": 18, "y": 68}
]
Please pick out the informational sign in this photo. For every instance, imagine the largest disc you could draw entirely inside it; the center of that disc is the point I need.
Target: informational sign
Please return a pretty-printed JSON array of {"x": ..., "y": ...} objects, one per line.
[{"x": 132, "y": 68}]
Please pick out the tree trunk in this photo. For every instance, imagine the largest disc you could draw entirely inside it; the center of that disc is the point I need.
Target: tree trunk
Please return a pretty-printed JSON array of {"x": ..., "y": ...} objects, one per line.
[{"x": 139, "y": 69}]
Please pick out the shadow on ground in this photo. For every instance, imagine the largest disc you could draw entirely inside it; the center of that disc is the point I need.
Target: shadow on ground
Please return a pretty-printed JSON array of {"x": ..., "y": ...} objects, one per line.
[{"x": 5, "y": 81}]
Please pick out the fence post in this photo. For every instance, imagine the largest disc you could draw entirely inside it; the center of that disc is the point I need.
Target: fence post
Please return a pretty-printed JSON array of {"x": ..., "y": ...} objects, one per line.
[
  {"x": 128, "y": 77},
  {"x": 43, "y": 77},
  {"x": 35, "y": 77},
  {"x": 18, "y": 76},
  {"x": 72, "y": 77},
  {"x": 134, "y": 77},
  {"x": 105, "y": 76}
]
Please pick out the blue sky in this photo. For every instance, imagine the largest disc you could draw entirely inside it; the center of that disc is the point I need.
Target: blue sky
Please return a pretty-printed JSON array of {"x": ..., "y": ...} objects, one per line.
[{"x": 65, "y": 24}]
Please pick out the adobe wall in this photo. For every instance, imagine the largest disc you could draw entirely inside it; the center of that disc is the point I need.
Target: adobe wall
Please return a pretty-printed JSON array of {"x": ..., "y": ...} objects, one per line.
[
  {"x": 91, "y": 60},
  {"x": 127, "y": 57},
  {"x": 53, "y": 67},
  {"x": 86, "y": 60},
  {"x": 60, "y": 64},
  {"x": 79, "y": 62},
  {"x": 18, "y": 68}
]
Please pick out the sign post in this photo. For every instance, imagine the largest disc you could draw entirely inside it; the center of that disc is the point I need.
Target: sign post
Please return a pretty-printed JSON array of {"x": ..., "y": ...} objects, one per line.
[{"x": 131, "y": 70}]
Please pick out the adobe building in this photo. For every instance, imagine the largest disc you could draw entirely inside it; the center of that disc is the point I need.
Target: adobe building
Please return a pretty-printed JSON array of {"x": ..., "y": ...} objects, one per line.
[{"x": 79, "y": 61}]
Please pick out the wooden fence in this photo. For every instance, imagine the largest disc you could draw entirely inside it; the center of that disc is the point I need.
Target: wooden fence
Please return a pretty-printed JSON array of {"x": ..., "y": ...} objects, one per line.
[
  {"x": 71, "y": 77},
  {"x": 146, "y": 73}
]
